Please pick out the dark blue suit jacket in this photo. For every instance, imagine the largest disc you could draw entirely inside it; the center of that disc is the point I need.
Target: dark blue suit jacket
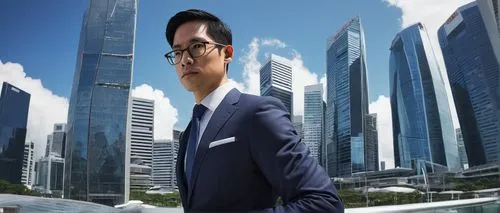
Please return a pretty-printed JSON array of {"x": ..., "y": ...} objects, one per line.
[{"x": 267, "y": 160}]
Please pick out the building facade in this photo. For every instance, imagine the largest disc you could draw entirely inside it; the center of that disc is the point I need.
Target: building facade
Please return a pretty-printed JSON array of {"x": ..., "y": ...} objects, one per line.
[
  {"x": 142, "y": 130},
  {"x": 371, "y": 148},
  {"x": 14, "y": 107},
  {"x": 299, "y": 126},
  {"x": 28, "y": 164},
  {"x": 164, "y": 161},
  {"x": 276, "y": 80},
  {"x": 141, "y": 134},
  {"x": 50, "y": 175},
  {"x": 56, "y": 142},
  {"x": 97, "y": 154},
  {"x": 470, "y": 43},
  {"x": 347, "y": 100},
  {"x": 464, "y": 162},
  {"x": 421, "y": 118},
  {"x": 140, "y": 174},
  {"x": 314, "y": 121}
]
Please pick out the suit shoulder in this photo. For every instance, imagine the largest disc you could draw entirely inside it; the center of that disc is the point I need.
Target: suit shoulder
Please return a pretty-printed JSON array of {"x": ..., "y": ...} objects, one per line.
[
  {"x": 256, "y": 100},
  {"x": 261, "y": 103}
]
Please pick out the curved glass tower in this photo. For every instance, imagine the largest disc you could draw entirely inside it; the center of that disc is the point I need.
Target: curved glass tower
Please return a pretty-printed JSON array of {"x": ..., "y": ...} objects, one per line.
[
  {"x": 96, "y": 163},
  {"x": 421, "y": 119},
  {"x": 470, "y": 41}
]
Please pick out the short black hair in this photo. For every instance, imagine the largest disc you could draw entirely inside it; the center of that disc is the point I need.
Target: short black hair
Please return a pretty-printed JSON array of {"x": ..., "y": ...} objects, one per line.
[{"x": 216, "y": 29}]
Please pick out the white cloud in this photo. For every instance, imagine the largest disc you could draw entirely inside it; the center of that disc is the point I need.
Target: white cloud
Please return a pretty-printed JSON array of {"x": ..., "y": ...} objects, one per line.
[
  {"x": 301, "y": 75},
  {"x": 251, "y": 66},
  {"x": 165, "y": 113},
  {"x": 382, "y": 106},
  {"x": 45, "y": 107},
  {"x": 323, "y": 81},
  {"x": 273, "y": 43},
  {"x": 432, "y": 14}
]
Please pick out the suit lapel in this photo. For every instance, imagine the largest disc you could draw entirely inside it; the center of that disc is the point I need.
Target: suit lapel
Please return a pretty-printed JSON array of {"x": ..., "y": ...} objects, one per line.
[
  {"x": 180, "y": 174},
  {"x": 223, "y": 112}
]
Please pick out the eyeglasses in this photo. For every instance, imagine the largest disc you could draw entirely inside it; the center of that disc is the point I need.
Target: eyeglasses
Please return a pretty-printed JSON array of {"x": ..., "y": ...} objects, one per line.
[{"x": 195, "y": 50}]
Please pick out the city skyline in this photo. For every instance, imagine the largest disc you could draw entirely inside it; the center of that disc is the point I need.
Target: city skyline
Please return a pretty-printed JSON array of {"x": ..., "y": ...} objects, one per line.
[{"x": 303, "y": 59}]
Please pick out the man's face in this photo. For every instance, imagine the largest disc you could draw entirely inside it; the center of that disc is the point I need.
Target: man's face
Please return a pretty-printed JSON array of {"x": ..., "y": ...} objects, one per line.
[{"x": 202, "y": 73}]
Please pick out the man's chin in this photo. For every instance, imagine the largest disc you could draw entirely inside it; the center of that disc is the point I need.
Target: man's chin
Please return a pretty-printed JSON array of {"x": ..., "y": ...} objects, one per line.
[{"x": 189, "y": 88}]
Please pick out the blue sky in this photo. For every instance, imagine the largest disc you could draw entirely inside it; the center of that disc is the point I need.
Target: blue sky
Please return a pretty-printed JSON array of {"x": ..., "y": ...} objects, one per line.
[
  {"x": 41, "y": 37},
  {"x": 45, "y": 40}
]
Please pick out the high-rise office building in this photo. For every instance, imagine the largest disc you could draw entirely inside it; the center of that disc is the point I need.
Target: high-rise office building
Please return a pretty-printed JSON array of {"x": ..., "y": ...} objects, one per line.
[
  {"x": 142, "y": 130},
  {"x": 140, "y": 174},
  {"x": 14, "y": 106},
  {"x": 421, "y": 118},
  {"x": 164, "y": 161},
  {"x": 299, "y": 127},
  {"x": 371, "y": 147},
  {"x": 141, "y": 137},
  {"x": 176, "y": 134},
  {"x": 276, "y": 80},
  {"x": 50, "y": 175},
  {"x": 51, "y": 167},
  {"x": 464, "y": 162},
  {"x": 56, "y": 142},
  {"x": 97, "y": 149},
  {"x": 347, "y": 100},
  {"x": 470, "y": 43},
  {"x": 314, "y": 120},
  {"x": 490, "y": 13},
  {"x": 29, "y": 154}
]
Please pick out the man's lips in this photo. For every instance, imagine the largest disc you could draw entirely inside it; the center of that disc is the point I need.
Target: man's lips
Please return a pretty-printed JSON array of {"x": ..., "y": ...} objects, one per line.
[{"x": 188, "y": 74}]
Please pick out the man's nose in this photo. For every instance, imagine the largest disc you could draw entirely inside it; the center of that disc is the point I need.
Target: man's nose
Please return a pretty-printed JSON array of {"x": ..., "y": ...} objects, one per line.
[{"x": 186, "y": 59}]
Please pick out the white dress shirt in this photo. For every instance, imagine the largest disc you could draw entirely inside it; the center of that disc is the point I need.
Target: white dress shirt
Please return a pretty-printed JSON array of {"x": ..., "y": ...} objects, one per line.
[{"x": 211, "y": 102}]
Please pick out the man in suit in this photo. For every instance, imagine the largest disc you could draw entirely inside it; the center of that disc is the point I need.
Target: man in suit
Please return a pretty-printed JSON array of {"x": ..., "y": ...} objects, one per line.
[{"x": 240, "y": 151}]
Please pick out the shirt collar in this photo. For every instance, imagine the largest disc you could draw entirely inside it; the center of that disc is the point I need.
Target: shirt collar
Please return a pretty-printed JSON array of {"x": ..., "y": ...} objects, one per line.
[{"x": 212, "y": 100}]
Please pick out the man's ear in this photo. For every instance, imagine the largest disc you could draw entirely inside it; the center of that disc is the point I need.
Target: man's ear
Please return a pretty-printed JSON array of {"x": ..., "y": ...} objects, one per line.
[{"x": 229, "y": 53}]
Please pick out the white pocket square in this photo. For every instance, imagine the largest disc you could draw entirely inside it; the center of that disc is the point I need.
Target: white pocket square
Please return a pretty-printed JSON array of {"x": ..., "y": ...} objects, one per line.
[{"x": 221, "y": 141}]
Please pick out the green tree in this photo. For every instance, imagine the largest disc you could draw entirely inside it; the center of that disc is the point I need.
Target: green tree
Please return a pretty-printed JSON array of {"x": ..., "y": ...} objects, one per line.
[
  {"x": 9, "y": 188},
  {"x": 166, "y": 200}
]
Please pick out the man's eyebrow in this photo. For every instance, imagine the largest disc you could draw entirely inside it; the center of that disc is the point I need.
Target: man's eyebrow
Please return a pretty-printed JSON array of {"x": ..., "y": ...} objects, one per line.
[{"x": 194, "y": 39}]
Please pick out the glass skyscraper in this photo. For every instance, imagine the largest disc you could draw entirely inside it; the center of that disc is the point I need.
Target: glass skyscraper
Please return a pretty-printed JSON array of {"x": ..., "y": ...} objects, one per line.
[
  {"x": 421, "y": 119},
  {"x": 97, "y": 160},
  {"x": 14, "y": 107},
  {"x": 276, "y": 80},
  {"x": 470, "y": 42},
  {"x": 347, "y": 100},
  {"x": 314, "y": 120}
]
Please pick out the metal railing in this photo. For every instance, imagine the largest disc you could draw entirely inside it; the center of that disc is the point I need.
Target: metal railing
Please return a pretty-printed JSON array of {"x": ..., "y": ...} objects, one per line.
[{"x": 478, "y": 205}]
